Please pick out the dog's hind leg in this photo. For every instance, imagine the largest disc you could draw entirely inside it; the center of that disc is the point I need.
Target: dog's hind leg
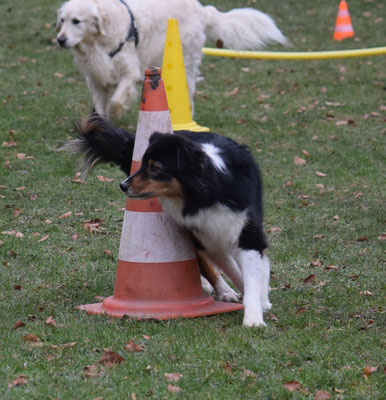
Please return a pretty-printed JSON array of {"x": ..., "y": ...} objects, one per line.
[
  {"x": 253, "y": 269},
  {"x": 223, "y": 291}
]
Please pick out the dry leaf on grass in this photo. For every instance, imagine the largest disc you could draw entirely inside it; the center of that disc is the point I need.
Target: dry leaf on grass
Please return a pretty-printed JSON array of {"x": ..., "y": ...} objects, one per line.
[
  {"x": 133, "y": 347},
  {"x": 321, "y": 174},
  {"x": 317, "y": 263},
  {"x": 299, "y": 161},
  {"x": 30, "y": 338},
  {"x": 43, "y": 239},
  {"x": 18, "y": 324},
  {"x": 173, "y": 376},
  {"x": 110, "y": 358},
  {"x": 50, "y": 321},
  {"x": 310, "y": 279},
  {"x": 20, "y": 380},
  {"x": 322, "y": 395},
  {"x": 174, "y": 389},
  {"x": 102, "y": 178},
  {"x": 292, "y": 385}
]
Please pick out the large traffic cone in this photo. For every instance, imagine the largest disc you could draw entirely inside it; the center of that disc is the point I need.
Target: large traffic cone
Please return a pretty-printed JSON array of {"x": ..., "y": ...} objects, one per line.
[
  {"x": 343, "y": 26},
  {"x": 157, "y": 272},
  {"x": 174, "y": 76}
]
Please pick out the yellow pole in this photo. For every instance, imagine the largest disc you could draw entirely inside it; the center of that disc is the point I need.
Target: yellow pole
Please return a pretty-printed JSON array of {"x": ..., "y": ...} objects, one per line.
[{"x": 281, "y": 55}]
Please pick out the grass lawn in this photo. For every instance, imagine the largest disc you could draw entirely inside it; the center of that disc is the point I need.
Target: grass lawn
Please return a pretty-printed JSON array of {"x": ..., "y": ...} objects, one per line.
[{"x": 317, "y": 129}]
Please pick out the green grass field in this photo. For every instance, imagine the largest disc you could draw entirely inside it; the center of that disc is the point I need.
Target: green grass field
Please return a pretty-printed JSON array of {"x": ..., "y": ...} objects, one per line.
[{"x": 325, "y": 218}]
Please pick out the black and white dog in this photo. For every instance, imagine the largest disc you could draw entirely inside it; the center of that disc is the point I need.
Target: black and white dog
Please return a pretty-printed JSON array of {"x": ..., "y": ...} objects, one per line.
[{"x": 208, "y": 184}]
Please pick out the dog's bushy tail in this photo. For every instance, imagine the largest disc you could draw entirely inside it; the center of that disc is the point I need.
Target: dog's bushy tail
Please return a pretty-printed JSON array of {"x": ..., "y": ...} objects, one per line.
[
  {"x": 101, "y": 142},
  {"x": 242, "y": 28}
]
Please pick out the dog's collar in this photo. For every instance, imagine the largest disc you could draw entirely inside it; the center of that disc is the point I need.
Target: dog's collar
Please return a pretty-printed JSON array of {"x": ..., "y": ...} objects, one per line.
[{"x": 132, "y": 35}]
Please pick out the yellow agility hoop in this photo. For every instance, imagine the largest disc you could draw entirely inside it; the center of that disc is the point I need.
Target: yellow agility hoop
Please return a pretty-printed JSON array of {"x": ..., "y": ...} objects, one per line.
[{"x": 282, "y": 55}]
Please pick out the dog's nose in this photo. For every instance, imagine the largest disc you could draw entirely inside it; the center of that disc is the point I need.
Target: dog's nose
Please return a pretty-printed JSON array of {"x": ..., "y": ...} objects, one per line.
[
  {"x": 62, "y": 40},
  {"x": 124, "y": 186}
]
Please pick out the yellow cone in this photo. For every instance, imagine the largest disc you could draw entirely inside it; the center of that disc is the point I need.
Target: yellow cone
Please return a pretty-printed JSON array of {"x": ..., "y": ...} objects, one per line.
[{"x": 173, "y": 75}]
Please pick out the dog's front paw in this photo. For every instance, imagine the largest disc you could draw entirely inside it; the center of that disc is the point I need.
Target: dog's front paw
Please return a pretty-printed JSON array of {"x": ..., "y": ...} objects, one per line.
[
  {"x": 114, "y": 110},
  {"x": 229, "y": 296},
  {"x": 252, "y": 323},
  {"x": 253, "y": 319}
]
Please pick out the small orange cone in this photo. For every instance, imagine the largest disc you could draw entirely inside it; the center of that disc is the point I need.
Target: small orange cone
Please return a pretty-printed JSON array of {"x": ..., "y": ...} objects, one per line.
[
  {"x": 157, "y": 272},
  {"x": 343, "y": 26}
]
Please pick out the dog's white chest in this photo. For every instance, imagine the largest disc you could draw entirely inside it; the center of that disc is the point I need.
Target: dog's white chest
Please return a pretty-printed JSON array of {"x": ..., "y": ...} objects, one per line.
[{"x": 217, "y": 228}]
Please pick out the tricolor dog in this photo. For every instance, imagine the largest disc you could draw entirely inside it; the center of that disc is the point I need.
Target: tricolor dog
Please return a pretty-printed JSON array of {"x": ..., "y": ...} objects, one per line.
[
  {"x": 113, "y": 41},
  {"x": 208, "y": 184}
]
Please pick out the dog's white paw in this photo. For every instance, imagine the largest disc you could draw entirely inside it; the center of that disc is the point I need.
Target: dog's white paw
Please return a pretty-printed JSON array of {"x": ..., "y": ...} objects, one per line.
[
  {"x": 253, "y": 322},
  {"x": 206, "y": 286},
  {"x": 267, "y": 306},
  {"x": 229, "y": 295}
]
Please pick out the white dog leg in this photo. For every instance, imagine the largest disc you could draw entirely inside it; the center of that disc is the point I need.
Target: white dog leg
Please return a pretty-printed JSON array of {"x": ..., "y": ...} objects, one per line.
[
  {"x": 225, "y": 292},
  {"x": 265, "y": 303},
  {"x": 252, "y": 267},
  {"x": 99, "y": 96},
  {"x": 123, "y": 96}
]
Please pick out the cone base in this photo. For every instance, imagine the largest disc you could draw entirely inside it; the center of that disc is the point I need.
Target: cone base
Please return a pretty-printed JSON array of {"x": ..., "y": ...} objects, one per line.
[
  {"x": 190, "y": 126},
  {"x": 340, "y": 36},
  {"x": 203, "y": 306}
]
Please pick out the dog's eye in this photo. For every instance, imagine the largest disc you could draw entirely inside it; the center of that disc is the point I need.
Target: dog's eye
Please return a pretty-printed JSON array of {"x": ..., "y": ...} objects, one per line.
[
  {"x": 154, "y": 168},
  {"x": 75, "y": 21}
]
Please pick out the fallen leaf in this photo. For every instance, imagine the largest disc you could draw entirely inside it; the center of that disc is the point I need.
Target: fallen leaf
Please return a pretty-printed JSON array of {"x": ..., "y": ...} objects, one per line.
[
  {"x": 317, "y": 263},
  {"x": 232, "y": 92},
  {"x": 367, "y": 371},
  {"x": 104, "y": 179},
  {"x": 306, "y": 153},
  {"x": 69, "y": 345},
  {"x": 318, "y": 236},
  {"x": 336, "y": 217},
  {"x": 146, "y": 337},
  {"x": 274, "y": 229},
  {"x": 333, "y": 104},
  {"x": 66, "y": 215},
  {"x": 382, "y": 236},
  {"x": 366, "y": 293},
  {"x": 10, "y": 144},
  {"x": 362, "y": 239},
  {"x": 174, "y": 389},
  {"x": 58, "y": 75},
  {"x": 133, "y": 347},
  {"x": 50, "y": 321},
  {"x": 292, "y": 385},
  {"x": 310, "y": 279},
  {"x": 43, "y": 239},
  {"x": 248, "y": 373},
  {"x": 301, "y": 310},
  {"x": 299, "y": 161},
  {"x": 172, "y": 377},
  {"x": 320, "y": 173},
  {"x": 322, "y": 395},
  {"x": 19, "y": 235},
  {"x": 30, "y": 338},
  {"x": 330, "y": 267},
  {"x": 18, "y": 324},
  {"x": 20, "y": 380},
  {"x": 109, "y": 358}
]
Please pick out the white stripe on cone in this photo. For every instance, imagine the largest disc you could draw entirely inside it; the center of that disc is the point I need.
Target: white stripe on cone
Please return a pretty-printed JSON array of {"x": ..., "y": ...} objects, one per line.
[{"x": 152, "y": 237}]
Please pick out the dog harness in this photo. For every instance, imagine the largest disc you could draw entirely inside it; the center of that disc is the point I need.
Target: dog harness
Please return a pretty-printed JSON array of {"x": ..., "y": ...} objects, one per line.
[{"x": 132, "y": 35}]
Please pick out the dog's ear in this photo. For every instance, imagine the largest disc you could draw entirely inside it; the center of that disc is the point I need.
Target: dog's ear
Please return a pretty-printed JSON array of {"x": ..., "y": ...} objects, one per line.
[
  {"x": 154, "y": 137},
  {"x": 59, "y": 19},
  {"x": 100, "y": 23}
]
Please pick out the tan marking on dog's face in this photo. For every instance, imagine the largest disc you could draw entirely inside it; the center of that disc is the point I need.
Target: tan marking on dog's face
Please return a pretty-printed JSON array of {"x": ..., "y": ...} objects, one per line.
[{"x": 149, "y": 184}]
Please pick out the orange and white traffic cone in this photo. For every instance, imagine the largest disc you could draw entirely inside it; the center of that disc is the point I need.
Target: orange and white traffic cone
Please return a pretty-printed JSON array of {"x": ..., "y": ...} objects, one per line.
[
  {"x": 157, "y": 272},
  {"x": 343, "y": 26}
]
